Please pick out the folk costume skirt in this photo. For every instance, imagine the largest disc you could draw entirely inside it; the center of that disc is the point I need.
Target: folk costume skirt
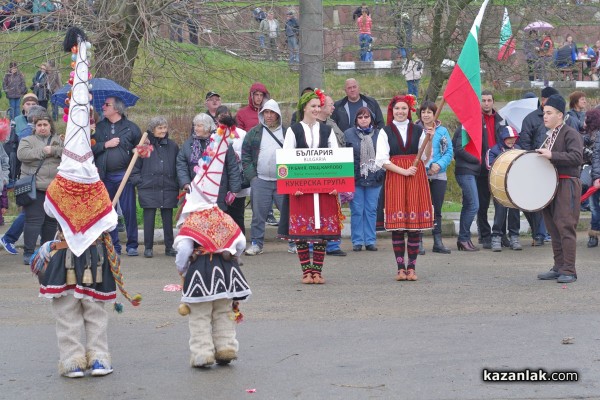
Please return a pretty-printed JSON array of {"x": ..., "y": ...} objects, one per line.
[{"x": 408, "y": 204}]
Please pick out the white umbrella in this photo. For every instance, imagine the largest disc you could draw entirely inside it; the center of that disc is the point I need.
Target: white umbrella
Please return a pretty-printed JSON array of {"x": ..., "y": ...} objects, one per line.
[{"x": 515, "y": 112}]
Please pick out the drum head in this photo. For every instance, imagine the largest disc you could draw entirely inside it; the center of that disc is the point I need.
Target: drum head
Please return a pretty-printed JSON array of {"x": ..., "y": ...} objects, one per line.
[{"x": 531, "y": 182}]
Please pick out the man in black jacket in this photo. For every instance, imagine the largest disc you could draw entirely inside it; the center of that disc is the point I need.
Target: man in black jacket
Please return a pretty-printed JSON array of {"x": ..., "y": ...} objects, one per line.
[
  {"x": 116, "y": 137},
  {"x": 345, "y": 109},
  {"x": 491, "y": 121},
  {"x": 533, "y": 134}
]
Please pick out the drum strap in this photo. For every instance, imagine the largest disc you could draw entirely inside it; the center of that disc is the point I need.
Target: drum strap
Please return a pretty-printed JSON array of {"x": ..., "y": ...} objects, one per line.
[{"x": 561, "y": 176}]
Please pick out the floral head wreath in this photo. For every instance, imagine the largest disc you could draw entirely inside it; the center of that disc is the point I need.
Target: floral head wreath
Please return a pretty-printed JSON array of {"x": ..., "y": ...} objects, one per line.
[
  {"x": 305, "y": 98},
  {"x": 409, "y": 99}
]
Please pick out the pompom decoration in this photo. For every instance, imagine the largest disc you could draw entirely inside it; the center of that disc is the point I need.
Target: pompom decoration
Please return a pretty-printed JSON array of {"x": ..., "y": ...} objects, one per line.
[
  {"x": 320, "y": 95},
  {"x": 93, "y": 142},
  {"x": 144, "y": 150},
  {"x": 183, "y": 309},
  {"x": 346, "y": 197},
  {"x": 238, "y": 317},
  {"x": 72, "y": 74},
  {"x": 65, "y": 118}
]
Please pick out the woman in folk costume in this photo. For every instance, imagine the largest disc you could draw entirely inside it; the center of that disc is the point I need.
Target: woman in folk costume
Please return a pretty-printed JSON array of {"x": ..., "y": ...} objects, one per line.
[
  {"x": 407, "y": 200},
  {"x": 208, "y": 246},
  {"x": 297, "y": 222},
  {"x": 80, "y": 271}
]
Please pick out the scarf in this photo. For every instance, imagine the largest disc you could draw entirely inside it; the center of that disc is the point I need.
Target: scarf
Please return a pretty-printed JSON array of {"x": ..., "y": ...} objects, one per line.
[
  {"x": 198, "y": 146},
  {"x": 367, "y": 151}
]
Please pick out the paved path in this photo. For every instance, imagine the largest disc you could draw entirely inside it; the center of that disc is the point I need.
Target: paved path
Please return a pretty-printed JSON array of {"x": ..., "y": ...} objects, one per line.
[{"x": 361, "y": 335}]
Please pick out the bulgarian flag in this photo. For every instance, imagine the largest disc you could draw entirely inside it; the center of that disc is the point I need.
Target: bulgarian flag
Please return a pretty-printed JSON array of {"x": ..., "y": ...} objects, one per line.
[
  {"x": 507, "y": 40},
  {"x": 463, "y": 91}
]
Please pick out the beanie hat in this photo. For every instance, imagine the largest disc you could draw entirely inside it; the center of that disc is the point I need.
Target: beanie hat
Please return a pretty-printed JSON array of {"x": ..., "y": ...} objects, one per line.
[
  {"x": 29, "y": 97},
  {"x": 556, "y": 101},
  {"x": 548, "y": 91},
  {"x": 530, "y": 95}
]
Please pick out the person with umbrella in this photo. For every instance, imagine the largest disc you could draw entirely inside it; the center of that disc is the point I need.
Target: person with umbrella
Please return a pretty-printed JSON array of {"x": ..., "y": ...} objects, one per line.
[{"x": 115, "y": 138}]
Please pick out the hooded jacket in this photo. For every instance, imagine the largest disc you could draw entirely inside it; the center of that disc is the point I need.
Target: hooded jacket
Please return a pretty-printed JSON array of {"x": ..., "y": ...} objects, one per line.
[
  {"x": 500, "y": 147},
  {"x": 252, "y": 142},
  {"x": 247, "y": 117}
]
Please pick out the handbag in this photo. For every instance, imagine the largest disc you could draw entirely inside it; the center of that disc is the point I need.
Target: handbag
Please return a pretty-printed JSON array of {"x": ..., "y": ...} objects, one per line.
[{"x": 25, "y": 190}]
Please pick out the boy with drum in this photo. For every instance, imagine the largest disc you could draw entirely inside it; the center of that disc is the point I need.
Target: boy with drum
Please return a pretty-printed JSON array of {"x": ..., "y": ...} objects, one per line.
[
  {"x": 509, "y": 137},
  {"x": 564, "y": 148}
]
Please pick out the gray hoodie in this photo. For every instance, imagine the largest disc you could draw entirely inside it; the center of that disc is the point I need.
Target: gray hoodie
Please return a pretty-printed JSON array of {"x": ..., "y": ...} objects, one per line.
[{"x": 266, "y": 168}]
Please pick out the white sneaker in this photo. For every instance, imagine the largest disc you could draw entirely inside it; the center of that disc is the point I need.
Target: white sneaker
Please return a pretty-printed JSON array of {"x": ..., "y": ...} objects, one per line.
[{"x": 254, "y": 250}]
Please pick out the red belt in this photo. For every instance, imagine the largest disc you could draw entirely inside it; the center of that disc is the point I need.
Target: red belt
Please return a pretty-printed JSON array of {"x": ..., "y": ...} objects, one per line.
[{"x": 561, "y": 176}]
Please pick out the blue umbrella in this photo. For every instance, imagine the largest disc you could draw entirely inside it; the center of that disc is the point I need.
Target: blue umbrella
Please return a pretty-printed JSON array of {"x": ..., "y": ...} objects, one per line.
[{"x": 102, "y": 89}]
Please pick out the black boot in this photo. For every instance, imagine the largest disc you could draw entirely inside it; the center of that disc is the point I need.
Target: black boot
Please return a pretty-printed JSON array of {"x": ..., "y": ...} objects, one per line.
[
  {"x": 438, "y": 245},
  {"x": 592, "y": 242},
  {"x": 421, "y": 248}
]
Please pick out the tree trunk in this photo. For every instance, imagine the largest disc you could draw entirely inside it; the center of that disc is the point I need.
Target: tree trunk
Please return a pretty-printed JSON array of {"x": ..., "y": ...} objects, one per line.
[
  {"x": 116, "y": 49},
  {"x": 442, "y": 36}
]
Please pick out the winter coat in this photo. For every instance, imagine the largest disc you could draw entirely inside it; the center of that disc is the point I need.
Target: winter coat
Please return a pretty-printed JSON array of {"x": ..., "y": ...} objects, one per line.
[
  {"x": 373, "y": 179},
  {"x": 156, "y": 176},
  {"x": 40, "y": 86},
  {"x": 247, "y": 117},
  {"x": 466, "y": 163},
  {"x": 442, "y": 150},
  {"x": 129, "y": 135},
  {"x": 231, "y": 180},
  {"x": 340, "y": 114},
  {"x": 501, "y": 146},
  {"x": 575, "y": 119},
  {"x": 596, "y": 159},
  {"x": 291, "y": 27},
  {"x": 31, "y": 154},
  {"x": 533, "y": 131},
  {"x": 4, "y": 169},
  {"x": 14, "y": 85}
]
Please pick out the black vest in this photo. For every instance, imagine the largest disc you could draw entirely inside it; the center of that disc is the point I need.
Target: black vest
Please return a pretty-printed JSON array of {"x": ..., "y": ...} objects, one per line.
[
  {"x": 324, "y": 132},
  {"x": 397, "y": 146}
]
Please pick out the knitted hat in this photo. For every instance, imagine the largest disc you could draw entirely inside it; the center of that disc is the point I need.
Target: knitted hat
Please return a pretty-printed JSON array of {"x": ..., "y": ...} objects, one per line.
[
  {"x": 548, "y": 91},
  {"x": 29, "y": 97},
  {"x": 305, "y": 98},
  {"x": 556, "y": 101},
  {"x": 408, "y": 99},
  {"x": 77, "y": 198}
]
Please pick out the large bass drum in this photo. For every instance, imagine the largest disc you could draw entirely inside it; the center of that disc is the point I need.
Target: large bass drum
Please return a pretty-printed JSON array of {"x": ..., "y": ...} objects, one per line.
[{"x": 524, "y": 180}]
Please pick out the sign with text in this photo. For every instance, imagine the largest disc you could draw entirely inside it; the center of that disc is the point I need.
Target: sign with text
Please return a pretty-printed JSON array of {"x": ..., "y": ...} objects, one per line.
[{"x": 315, "y": 170}]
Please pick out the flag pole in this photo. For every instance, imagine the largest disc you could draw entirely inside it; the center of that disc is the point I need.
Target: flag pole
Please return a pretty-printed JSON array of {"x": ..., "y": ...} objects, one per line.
[{"x": 427, "y": 138}]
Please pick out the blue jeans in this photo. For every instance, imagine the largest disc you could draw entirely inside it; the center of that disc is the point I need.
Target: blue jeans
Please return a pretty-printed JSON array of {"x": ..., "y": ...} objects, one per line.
[
  {"x": 261, "y": 40},
  {"x": 363, "y": 211},
  {"x": 127, "y": 202},
  {"x": 595, "y": 208},
  {"x": 413, "y": 87},
  {"x": 293, "y": 47},
  {"x": 15, "y": 107},
  {"x": 364, "y": 40},
  {"x": 470, "y": 201},
  {"x": 16, "y": 229}
]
